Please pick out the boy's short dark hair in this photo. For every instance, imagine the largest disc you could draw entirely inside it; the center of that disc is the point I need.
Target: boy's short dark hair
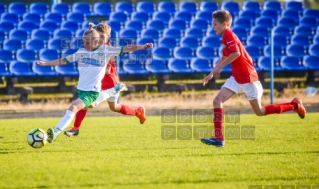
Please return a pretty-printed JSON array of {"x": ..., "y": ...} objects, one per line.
[{"x": 223, "y": 16}]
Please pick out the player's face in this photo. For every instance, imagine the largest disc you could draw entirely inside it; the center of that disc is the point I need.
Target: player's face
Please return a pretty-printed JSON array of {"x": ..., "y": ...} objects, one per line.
[
  {"x": 104, "y": 37},
  {"x": 90, "y": 42},
  {"x": 218, "y": 27}
]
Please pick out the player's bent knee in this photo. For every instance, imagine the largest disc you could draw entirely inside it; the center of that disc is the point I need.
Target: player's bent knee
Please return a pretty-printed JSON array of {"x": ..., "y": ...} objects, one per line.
[{"x": 217, "y": 102}]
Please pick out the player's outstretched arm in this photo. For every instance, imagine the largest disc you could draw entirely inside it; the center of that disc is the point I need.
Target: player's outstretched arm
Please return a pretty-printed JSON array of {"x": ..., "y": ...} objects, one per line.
[
  {"x": 131, "y": 48},
  {"x": 57, "y": 62}
]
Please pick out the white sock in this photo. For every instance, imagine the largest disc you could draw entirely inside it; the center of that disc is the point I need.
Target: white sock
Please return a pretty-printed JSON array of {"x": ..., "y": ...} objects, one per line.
[
  {"x": 65, "y": 121},
  {"x": 104, "y": 95}
]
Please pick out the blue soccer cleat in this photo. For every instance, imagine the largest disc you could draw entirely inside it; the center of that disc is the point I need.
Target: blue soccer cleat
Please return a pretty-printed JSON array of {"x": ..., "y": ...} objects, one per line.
[
  {"x": 52, "y": 134},
  {"x": 120, "y": 87},
  {"x": 213, "y": 141}
]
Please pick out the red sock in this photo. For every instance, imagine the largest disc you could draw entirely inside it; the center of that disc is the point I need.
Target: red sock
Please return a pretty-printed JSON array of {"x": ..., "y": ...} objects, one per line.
[
  {"x": 279, "y": 108},
  {"x": 126, "y": 110},
  {"x": 79, "y": 116},
  {"x": 218, "y": 123}
]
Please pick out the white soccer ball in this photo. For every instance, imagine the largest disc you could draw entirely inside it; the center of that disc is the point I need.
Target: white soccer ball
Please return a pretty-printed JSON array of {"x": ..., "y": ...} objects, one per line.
[{"x": 37, "y": 138}]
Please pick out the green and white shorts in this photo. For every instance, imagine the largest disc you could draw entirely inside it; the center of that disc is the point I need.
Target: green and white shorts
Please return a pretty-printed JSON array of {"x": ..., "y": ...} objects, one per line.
[{"x": 88, "y": 97}]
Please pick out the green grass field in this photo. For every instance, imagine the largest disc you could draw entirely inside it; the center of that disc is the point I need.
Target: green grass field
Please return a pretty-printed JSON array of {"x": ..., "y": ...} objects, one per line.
[{"x": 118, "y": 152}]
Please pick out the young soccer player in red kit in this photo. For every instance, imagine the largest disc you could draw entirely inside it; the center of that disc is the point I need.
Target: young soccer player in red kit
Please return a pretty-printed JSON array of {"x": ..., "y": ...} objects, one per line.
[
  {"x": 109, "y": 81},
  {"x": 244, "y": 77}
]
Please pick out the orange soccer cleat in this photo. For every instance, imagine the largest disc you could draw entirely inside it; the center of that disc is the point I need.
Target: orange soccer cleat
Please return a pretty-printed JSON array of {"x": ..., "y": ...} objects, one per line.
[
  {"x": 301, "y": 111},
  {"x": 140, "y": 113}
]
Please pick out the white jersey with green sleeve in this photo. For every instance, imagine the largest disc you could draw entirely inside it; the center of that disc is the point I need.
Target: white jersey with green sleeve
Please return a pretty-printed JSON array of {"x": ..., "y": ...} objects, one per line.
[{"x": 92, "y": 65}]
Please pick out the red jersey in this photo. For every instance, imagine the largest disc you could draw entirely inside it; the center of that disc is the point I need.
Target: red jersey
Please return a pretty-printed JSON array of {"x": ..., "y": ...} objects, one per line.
[
  {"x": 243, "y": 69},
  {"x": 111, "y": 79}
]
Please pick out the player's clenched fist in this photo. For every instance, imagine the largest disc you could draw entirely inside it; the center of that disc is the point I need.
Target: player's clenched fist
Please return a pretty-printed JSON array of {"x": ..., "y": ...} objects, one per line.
[{"x": 148, "y": 45}]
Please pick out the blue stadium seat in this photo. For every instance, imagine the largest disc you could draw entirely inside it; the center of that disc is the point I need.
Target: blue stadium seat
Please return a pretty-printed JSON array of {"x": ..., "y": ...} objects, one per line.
[
  {"x": 140, "y": 16},
  {"x": 40, "y": 34},
  {"x": 67, "y": 52},
  {"x": 157, "y": 66},
  {"x": 311, "y": 13},
  {"x": 48, "y": 54},
  {"x": 291, "y": 63},
  {"x": 10, "y": 17},
  {"x": 200, "y": 23},
  {"x": 79, "y": 33},
  {"x": 296, "y": 50},
  {"x": 169, "y": 7},
  {"x": 205, "y": 53},
  {"x": 27, "y": 26},
  {"x": 308, "y": 21},
  {"x": 281, "y": 40},
  {"x": 300, "y": 39},
  {"x": 102, "y": 8},
  {"x": 141, "y": 56},
  {"x": 43, "y": 70},
  {"x": 282, "y": 30},
  {"x": 248, "y": 14},
  {"x": 2, "y": 37},
  {"x": 70, "y": 25},
  {"x": 231, "y": 6},
  {"x": 212, "y": 41},
  {"x": 3, "y": 8},
  {"x": 49, "y": 25},
  {"x": 62, "y": 33},
  {"x": 17, "y": 8},
  {"x": 183, "y": 15},
  {"x": 163, "y": 16},
  {"x": 34, "y": 44},
  {"x": 252, "y": 6},
  {"x": 172, "y": 32},
  {"x": 18, "y": 68},
  {"x": 179, "y": 66},
  {"x": 316, "y": 39},
  {"x": 119, "y": 16},
  {"x": 6, "y": 26},
  {"x": 273, "y": 5},
  {"x": 183, "y": 53},
  {"x": 265, "y": 22},
  {"x": 278, "y": 51},
  {"x": 167, "y": 42},
  {"x": 128, "y": 33},
  {"x": 19, "y": 35},
  {"x": 227, "y": 68},
  {"x": 257, "y": 40},
  {"x": 6, "y": 56},
  {"x": 259, "y": 30},
  {"x": 61, "y": 8},
  {"x": 303, "y": 30},
  {"x": 294, "y": 5},
  {"x": 76, "y": 17},
  {"x": 12, "y": 45},
  {"x": 156, "y": 24},
  {"x": 311, "y": 62},
  {"x": 190, "y": 7},
  {"x": 211, "y": 32},
  {"x": 39, "y": 8},
  {"x": 85, "y": 24},
  {"x": 144, "y": 40},
  {"x": 254, "y": 52},
  {"x": 147, "y": 7},
  {"x": 243, "y": 22},
  {"x": 191, "y": 42},
  {"x": 134, "y": 25},
  {"x": 26, "y": 55},
  {"x": 241, "y": 33},
  {"x": 32, "y": 17},
  {"x": 161, "y": 53},
  {"x": 82, "y": 7},
  {"x": 269, "y": 13},
  {"x": 289, "y": 13},
  {"x": 134, "y": 67},
  {"x": 67, "y": 69},
  {"x": 150, "y": 33},
  {"x": 194, "y": 32},
  {"x": 54, "y": 17},
  {"x": 314, "y": 49},
  {"x": 4, "y": 70},
  {"x": 204, "y": 15},
  {"x": 287, "y": 22},
  {"x": 115, "y": 25},
  {"x": 76, "y": 43},
  {"x": 264, "y": 64},
  {"x": 126, "y": 7},
  {"x": 178, "y": 24},
  {"x": 208, "y": 6},
  {"x": 200, "y": 65}
]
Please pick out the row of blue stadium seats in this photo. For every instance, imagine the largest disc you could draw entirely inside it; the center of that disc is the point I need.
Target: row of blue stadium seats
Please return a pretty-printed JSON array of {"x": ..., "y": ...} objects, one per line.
[
  {"x": 164, "y": 53},
  {"x": 105, "y": 8},
  {"x": 172, "y": 65}
]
